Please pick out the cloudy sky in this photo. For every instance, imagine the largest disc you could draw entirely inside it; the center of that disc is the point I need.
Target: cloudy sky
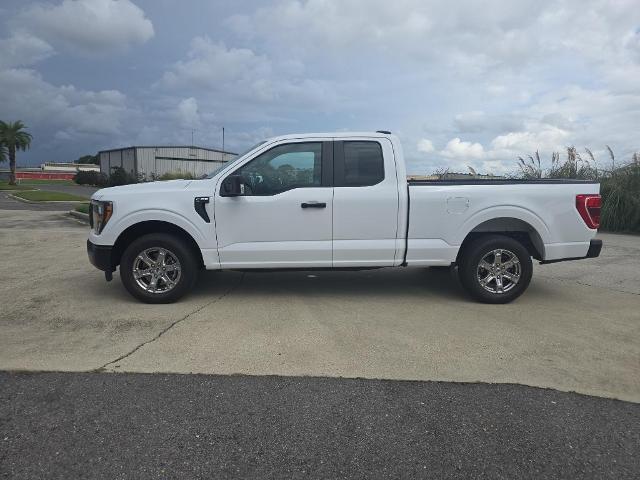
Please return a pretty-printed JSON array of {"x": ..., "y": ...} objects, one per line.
[{"x": 461, "y": 82}]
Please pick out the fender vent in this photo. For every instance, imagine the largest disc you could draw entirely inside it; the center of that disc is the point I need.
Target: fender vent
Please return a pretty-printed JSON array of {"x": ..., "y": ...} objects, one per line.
[{"x": 199, "y": 204}]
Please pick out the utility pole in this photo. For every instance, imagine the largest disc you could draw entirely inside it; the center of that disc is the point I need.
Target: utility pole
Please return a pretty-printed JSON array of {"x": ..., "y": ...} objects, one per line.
[
  {"x": 223, "y": 141},
  {"x": 192, "y": 131}
]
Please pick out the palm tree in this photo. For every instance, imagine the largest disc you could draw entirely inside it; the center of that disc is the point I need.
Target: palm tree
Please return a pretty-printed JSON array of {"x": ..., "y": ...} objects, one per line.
[{"x": 13, "y": 137}]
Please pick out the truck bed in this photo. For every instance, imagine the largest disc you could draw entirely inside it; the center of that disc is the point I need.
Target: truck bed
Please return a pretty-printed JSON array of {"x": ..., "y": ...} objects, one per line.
[{"x": 442, "y": 216}]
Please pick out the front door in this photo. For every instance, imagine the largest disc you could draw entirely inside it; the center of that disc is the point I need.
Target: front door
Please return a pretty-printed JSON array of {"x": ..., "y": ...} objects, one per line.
[{"x": 284, "y": 217}]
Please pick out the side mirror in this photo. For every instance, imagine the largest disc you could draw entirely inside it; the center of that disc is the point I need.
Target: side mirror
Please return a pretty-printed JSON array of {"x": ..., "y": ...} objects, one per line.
[{"x": 232, "y": 186}]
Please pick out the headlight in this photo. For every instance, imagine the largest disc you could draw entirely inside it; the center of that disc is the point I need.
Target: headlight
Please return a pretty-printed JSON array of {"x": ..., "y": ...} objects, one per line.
[{"x": 99, "y": 214}]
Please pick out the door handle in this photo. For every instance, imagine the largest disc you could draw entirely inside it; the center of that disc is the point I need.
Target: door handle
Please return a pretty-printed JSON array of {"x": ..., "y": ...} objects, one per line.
[{"x": 313, "y": 205}]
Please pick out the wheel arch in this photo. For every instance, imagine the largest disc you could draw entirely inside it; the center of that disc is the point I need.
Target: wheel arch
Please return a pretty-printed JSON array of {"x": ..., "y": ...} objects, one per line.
[
  {"x": 514, "y": 227},
  {"x": 146, "y": 227}
]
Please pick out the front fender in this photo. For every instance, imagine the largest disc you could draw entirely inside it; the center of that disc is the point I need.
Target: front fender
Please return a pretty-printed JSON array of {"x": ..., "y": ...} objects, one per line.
[{"x": 113, "y": 230}]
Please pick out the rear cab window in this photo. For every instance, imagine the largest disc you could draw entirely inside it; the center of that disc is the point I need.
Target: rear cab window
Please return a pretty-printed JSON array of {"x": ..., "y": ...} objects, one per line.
[{"x": 358, "y": 163}]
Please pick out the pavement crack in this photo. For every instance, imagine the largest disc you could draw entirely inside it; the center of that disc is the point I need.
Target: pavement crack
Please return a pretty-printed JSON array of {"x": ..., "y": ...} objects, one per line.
[
  {"x": 608, "y": 288},
  {"x": 584, "y": 284},
  {"x": 169, "y": 327}
]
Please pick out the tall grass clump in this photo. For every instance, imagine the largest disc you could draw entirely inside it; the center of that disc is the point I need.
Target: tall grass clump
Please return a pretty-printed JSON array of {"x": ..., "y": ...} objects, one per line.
[
  {"x": 621, "y": 198},
  {"x": 619, "y": 185}
]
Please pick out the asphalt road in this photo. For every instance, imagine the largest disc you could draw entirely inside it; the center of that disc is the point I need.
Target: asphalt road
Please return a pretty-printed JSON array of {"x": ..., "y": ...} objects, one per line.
[{"x": 79, "y": 425}]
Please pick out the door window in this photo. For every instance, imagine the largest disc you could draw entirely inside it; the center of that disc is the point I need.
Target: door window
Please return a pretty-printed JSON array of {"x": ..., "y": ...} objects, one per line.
[
  {"x": 359, "y": 164},
  {"x": 285, "y": 167}
]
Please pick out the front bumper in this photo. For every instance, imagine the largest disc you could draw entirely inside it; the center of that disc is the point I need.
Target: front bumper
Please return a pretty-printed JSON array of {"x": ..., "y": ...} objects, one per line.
[
  {"x": 101, "y": 256},
  {"x": 595, "y": 247}
]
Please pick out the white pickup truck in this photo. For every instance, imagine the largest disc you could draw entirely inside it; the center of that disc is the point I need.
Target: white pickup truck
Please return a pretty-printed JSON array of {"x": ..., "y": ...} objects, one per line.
[{"x": 338, "y": 201}]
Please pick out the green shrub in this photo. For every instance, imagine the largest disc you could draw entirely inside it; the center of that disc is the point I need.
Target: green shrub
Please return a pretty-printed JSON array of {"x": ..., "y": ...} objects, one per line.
[
  {"x": 98, "y": 179},
  {"x": 178, "y": 175},
  {"x": 119, "y": 176}
]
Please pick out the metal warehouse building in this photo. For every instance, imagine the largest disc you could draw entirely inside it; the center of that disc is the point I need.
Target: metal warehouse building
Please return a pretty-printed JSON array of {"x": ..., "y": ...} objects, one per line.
[{"x": 153, "y": 162}]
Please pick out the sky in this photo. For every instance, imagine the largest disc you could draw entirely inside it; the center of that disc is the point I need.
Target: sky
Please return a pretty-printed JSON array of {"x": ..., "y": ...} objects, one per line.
[{"x": 463, "y": 83}]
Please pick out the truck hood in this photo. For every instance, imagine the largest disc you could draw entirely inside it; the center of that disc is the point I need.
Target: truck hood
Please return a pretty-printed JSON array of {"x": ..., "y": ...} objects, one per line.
[{"x": 146, "y": 188}]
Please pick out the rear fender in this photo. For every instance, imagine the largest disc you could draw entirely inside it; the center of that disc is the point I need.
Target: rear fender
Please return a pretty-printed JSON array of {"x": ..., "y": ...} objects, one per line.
[{"x": 506, "y": 211}]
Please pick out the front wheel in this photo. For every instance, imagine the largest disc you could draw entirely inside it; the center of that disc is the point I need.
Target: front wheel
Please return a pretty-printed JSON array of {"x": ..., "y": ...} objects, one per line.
[
  {"x": 158, "y": 268},
  {"x": 495, "y": 269}
]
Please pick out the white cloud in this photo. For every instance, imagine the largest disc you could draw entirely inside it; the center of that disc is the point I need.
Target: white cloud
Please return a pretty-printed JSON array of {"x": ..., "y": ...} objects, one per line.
[
  {"x": 211, "y": 65},
  {"x": 475, "y": 121},
  {"x": 468, "y": 34},
  {"x": 67, "y": 111},
  {"x": 22, "y": 49},
  {"x": 188, "y": 115},
  {"x": 487, "y": 80},
  {"x": 88, "y": 26},
  {"x": 237, "y": 79},
  {"x": 425, "y": 146},
  {"x": 459, "y": 150},
  {"x": 547, "y": 138}
]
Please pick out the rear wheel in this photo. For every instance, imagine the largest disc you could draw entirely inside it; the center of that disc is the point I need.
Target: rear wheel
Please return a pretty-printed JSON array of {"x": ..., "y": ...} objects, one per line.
[
  {"x": 158, "y": 268},
  {"x": 495, "y": 269}
]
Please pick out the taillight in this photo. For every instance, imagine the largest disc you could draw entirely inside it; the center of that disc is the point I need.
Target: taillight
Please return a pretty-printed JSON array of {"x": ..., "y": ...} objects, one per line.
[{"x": 589, "y": 209}]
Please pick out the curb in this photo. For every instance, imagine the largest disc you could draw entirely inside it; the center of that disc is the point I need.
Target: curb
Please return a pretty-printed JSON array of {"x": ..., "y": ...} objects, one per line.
[
  {"x": 79, "y": 215},
  {"x": 24, "y": 200}
]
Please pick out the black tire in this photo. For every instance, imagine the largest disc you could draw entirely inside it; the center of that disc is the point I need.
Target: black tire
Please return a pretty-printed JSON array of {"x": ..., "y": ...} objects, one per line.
[
  {"x": 189, "y": 268},
  {"x": 469, "y": 269}
]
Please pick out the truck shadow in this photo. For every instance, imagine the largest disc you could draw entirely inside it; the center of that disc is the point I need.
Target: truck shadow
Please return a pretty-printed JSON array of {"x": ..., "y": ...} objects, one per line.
[{"x": 385, "y": 282}]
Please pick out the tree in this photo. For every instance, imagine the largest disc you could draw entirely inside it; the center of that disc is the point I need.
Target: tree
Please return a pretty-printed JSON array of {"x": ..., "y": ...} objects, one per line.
[
  {"x": 4, "y": 153},
  {"x": 88, "y": 159},
  {"x": 13, "y": 137}
]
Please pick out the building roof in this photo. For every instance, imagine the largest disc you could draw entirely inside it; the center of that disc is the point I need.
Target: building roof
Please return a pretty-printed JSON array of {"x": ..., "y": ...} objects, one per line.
[{"x": 168, "y": 146}]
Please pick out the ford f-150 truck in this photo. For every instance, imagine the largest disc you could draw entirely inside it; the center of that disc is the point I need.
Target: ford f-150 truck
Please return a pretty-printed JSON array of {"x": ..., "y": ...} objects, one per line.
[{"x": 338, "y": 201}]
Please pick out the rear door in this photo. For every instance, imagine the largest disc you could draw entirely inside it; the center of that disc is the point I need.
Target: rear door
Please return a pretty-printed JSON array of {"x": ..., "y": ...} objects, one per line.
[
  {"x": 284, "y": 218},
  {"x": 365, "y": 203}
]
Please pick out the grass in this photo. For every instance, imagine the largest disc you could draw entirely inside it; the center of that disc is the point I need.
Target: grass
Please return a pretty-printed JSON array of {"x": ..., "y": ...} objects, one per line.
[
  {"x": 82, "y": 208},
  {"x": 5, "y": 186},
  {"x": 37, "y": 181},
  {"x": 44, "y": 196}
]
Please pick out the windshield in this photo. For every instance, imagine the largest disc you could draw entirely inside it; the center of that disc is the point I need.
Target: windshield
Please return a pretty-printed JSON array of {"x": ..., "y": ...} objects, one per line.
[{"x": 214, "y": 173}]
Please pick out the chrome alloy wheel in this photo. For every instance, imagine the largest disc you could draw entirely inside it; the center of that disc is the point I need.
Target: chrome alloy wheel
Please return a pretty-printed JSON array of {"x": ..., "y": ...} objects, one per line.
[
  {"x": 156, "y": 270},
  {"x": 499, "y": 271}
]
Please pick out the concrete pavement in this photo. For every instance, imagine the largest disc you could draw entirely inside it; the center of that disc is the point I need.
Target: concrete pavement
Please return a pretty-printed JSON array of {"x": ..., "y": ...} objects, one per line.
[{"x": 577, "y": 328}]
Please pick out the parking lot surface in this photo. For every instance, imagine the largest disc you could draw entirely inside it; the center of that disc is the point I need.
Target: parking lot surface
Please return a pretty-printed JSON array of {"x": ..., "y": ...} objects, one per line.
[{"x": 577, "y": 328}]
